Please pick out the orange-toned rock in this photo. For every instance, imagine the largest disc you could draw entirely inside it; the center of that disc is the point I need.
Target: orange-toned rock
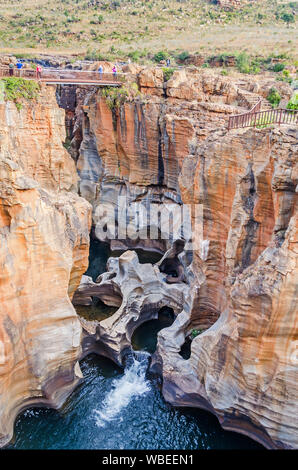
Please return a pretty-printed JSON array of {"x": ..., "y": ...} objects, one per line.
[
  {"x": 201, "y": 86},
  {"x": 174, "y": 148},
  {"x": 151, "y": 81},
  {"x": 44, "y": 240},
  {"x": 244, "y": 366}
]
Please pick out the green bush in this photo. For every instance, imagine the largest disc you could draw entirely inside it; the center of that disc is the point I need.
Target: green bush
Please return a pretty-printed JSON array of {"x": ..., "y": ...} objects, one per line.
[
  {"x": 243, "y": 63},
  {"x": 274, "y": 97},
  {"x": 183, "y": 56},
  {"x": 135, "y": 55},
  {"x": 278, "y": 67},
  {"x": 288, "y": 18},
  {"x": 93, "y": 55},
  {"x": 17, "y": 89},
  {"x": 161, "y": 55},
  {"x": 194, "y": 333},
  {"x": 167, "y": 73},
  {"x": 115, "y": 97},
  {"x": 293, "y": 102}
]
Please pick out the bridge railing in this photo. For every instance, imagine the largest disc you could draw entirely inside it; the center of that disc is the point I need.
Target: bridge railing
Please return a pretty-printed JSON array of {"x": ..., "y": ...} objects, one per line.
[
  {"x": 49, "y": 74},
  {"x": 240, "y": 120},
  {"x": 257, "y": 118}
]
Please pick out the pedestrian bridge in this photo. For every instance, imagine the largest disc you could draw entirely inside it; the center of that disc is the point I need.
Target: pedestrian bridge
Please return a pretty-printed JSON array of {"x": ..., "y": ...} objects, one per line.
[{"x": 51, "y": 76}]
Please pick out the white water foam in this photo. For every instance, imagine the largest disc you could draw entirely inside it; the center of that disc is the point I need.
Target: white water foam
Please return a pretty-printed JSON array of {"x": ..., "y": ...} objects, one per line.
[{"x": 132, "y": 384}]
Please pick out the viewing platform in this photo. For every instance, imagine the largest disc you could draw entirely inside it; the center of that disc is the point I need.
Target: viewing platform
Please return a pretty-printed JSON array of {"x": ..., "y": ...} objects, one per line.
[{"x": 51, "y": 76}]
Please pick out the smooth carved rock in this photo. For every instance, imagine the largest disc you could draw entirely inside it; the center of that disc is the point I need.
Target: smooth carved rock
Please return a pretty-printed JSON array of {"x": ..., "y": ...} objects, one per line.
[
  {"x": 143, "y": 290},
  {"x": 44, "y": 241},
  {"x": 249, "y": 356},
  {"x": 173, "y": 148},
  {"x": 241, "y": 366}
]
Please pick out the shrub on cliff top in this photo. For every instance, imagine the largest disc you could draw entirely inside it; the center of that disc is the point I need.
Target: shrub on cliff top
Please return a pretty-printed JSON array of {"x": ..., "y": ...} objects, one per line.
[
  {"x": 293, "y": 102},
  {"x": 161, "y": 55},
  {"x": 278, "y": 67},
  {"x": 115, "y": 97},
  {"x": 167, "y": 73},
  {"x": 274, "y": 97},
  {"x": 183, "y": 56},
  {"x": 17, "y": 89}
]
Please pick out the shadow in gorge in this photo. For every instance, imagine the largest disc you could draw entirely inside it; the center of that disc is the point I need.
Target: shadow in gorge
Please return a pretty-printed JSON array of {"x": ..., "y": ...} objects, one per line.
[
  {"x": 98, "y": 310},
  {"x": 144, "y": 337},
  {"x": 99, "y": 253},
  {"x": 185, "y": 350}
]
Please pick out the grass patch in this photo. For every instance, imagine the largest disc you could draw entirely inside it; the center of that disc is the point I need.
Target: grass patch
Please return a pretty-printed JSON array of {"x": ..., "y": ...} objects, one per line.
[
  {"x": 177, "y": 26},
  {"x": 18, "y": 89}
]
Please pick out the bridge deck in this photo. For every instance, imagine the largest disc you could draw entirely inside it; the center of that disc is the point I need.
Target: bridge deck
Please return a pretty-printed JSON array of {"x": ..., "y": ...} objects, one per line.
[
  {"x": 68, "y": 77},
  {"x": 79, "y": 82}
]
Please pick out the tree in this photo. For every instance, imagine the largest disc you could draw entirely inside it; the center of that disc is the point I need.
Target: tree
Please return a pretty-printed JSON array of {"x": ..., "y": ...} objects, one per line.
[{"x": 288, "y": 18}]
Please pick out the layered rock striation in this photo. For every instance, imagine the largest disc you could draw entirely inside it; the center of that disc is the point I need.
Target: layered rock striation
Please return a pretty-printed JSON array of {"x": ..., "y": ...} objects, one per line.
[
  {"x": 166, "y": 144},
  {"x": 244, "y": 366},
  {"x": 44, "y": 241},
  {"x": 171, "y": 145}
]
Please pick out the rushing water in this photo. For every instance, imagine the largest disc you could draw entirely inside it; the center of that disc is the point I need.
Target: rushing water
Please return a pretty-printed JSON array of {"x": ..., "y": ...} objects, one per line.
[
  {"x": 122, "y": 409},
  {"x": 116, "y": 409}
]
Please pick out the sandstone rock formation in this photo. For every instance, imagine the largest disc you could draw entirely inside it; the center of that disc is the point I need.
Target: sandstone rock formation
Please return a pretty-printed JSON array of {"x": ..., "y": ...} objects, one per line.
[
  {"x": 169, "y": 145},
  {"x": 44, "y": 240},
  {"x": 140, "y": 291},
  {"x": 173, "y": 147},
  {"x": 244, "y": 367}
]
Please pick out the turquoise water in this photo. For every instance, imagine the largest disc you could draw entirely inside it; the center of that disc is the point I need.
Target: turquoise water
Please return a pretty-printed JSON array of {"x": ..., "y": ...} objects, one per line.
[
  {"x": 122, "y": 409},
  {"x": 142, "y": 420}
]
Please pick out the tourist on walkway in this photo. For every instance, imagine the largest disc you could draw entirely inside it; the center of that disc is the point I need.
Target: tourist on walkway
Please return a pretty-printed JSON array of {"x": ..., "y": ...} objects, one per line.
[
  {"x": 168, "y": 62},
  {"x": 114, "y": 70},
  {"x": 38, "y": 72},
  {"x": 100, "y": 71},
  {"x": 11, "y": 69},
  {"x": 19, "y": 67}
]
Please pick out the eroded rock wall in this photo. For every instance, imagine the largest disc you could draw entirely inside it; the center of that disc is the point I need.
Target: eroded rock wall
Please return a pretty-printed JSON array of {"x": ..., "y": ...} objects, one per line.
[
  {"x": 44, "y": 244},
  {"x": 244, "y": 367},
  {"x": 173, "y": 145}
]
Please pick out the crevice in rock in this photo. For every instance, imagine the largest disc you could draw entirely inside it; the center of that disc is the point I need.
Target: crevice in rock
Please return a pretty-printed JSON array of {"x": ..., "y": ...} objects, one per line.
[{"x": 185, "y": 350}]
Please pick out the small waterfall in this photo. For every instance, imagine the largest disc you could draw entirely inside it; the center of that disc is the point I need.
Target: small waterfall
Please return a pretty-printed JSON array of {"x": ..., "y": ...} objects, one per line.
[{"x": 131, "y": 385}]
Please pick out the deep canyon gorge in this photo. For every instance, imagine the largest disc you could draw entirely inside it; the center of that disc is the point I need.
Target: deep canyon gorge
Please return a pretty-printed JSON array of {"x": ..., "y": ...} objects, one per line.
[{"x": 74, "y": 152}]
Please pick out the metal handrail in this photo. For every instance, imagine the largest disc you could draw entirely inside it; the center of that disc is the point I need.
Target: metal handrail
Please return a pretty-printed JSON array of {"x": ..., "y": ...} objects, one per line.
[{"x": 263, "y": 118}]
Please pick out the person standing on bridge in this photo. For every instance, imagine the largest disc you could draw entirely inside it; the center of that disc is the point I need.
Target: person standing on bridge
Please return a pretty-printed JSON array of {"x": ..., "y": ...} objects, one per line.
[
  {"x": 38, "y": 72},
  {"x": 19, "y": 67},
  {"x": 114, "y": 70},
  {"x": 100, "y": 71},
  {"x": 11, "y": 68}
]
